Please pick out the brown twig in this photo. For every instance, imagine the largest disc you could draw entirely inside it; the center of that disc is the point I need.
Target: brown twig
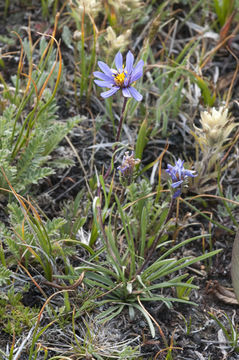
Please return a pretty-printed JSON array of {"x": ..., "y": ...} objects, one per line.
[{"x": 69, "y": 287}]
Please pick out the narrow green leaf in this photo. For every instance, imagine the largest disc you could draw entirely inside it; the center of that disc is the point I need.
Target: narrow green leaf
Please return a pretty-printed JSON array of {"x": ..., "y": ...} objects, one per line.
[
  {"x": 111, "y": 313},
  {"x": 141, "y": 140},
  {"x": 149, "y": 321},
  {"x": 143, "y": 232},
  {"x": 235, "y": 265}
]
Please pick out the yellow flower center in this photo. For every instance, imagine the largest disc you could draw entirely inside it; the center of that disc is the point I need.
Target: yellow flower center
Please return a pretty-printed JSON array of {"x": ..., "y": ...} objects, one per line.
[{"x": 119, "y": 79}]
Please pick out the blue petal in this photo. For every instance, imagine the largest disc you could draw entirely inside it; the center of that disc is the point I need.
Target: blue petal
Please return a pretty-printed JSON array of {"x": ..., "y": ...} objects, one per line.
[
  {"x": 169, "y": 169},
  {"x": 129, "y": 62},
  {"x": 126, "y": 92},
  {"x": 179, "y": 168},
  {"x": 122, "y": 169},
  {"x": 135, "y": 94},
  {"x": 172, "y": 171},
  {"x": 102, "y": 76},
  {"x": 174, "y": 176},
  {"x": 177, "y": 193},
  {"x": 136, "y": 75},
  {"x": 126, "y": 81},
  {"x": 105, "y": 68},
  {"x": 180, "y": 163},
  {"x": 137, "y": 71},
  {"x": 110, "y": 92},
  {"x": 139, "y": 65},
  {"x": 119, "y": 62},
  {"x": 101, "y": 83},
  {"x": 190, "y": 173},
  {"x": 176, "y": 184}
]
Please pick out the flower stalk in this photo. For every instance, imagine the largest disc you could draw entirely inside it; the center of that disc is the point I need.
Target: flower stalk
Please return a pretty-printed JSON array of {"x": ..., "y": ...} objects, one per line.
[
  {"x": 121, "y": 120},
  {"x": 121, "y": 79}
]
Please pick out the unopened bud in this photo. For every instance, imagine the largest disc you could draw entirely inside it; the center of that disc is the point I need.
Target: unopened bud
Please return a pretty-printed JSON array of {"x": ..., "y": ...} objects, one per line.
[{"x": 77, "y": 35}]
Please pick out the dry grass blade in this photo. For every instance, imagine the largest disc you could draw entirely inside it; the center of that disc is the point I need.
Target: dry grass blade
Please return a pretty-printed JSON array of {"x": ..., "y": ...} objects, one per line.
[
  {"x": 223, "y": 293},
  {"x": 70, "y": 287}
]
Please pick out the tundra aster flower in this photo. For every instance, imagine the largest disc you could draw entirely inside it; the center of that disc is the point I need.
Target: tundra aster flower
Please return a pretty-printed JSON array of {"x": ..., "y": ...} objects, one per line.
[
  {"x": 122, "y": 78},
  {"x": 178, "y": 175}
]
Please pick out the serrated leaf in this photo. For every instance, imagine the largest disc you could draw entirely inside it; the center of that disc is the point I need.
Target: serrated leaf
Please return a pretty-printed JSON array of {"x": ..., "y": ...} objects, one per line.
[
  {"x": 4, "y": 275},
  {"x": 62, "y": 163},
  {"x": 53, "y": 226}
]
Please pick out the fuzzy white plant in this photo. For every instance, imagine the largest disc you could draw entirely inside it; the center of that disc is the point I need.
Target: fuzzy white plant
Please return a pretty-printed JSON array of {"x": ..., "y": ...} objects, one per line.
[
  {"x": 215, "y": 131},
  {"x": 92, "y": 7},
  {"x": 126, "y": 5},
  {"x": 217, "y": 126},
  {"x": 117, "y": 42},
  {"x": 130, "y": 8}
]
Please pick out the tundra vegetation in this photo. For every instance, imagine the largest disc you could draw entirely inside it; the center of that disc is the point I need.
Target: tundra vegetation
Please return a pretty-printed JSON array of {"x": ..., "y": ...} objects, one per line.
[{"x": 119, "y": 179}]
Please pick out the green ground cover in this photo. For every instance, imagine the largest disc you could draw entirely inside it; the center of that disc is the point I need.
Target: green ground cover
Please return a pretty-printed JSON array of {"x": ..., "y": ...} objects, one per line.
[{"x": 119, "y": 179}]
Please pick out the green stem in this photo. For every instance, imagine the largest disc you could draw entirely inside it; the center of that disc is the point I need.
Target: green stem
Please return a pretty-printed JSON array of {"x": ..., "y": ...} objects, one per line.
[
  {"x": 121, "y": 120},
  {"x": 99, "y": 210}
]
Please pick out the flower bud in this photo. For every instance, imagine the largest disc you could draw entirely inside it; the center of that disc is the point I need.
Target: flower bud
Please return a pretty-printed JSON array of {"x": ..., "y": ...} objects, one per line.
[
  {"x": 77, "y": 35},
  {"x": 128, "y": 164}
]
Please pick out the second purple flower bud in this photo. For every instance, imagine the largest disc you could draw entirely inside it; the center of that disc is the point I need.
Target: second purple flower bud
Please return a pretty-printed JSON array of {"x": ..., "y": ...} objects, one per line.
[{"x": 178, "y": 175}]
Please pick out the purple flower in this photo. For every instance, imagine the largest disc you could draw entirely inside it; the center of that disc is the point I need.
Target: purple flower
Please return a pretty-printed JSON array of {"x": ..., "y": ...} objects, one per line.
[
  {"x": 122, "y": 78},
  {"x": 178, "y": 175},
  {"x": 128, "y": 164}
]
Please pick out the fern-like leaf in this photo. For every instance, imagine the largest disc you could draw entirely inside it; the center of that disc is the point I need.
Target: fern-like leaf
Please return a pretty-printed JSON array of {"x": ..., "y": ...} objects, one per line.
[{"x": 4, "y": 275}]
